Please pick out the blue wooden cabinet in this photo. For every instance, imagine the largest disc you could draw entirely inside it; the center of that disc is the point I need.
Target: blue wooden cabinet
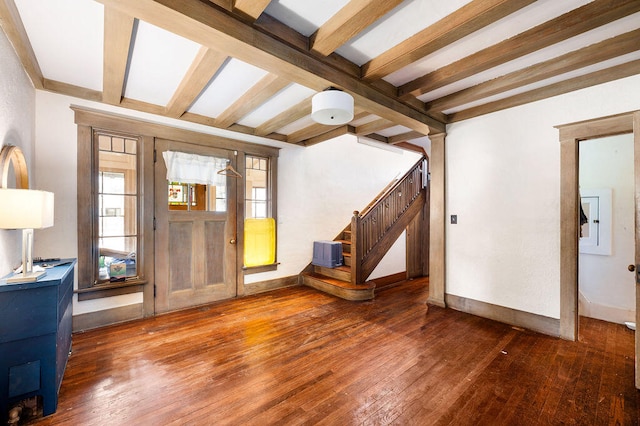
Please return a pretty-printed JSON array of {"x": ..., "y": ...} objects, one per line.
[{"x": 35, "y": 337}]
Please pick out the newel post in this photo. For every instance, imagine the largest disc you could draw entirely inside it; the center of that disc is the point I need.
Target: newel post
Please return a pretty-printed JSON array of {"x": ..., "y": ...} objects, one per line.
[{"x": 356, "y": 248}]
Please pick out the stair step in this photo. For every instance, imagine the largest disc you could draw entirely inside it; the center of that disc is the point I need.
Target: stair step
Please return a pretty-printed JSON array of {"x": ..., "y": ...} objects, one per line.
[
  {"x": 346, "y": 246},
  {"x": 346, "y": 258},
  {"x": 340, "y": 272},
  {"x": 339, "y": 288}
]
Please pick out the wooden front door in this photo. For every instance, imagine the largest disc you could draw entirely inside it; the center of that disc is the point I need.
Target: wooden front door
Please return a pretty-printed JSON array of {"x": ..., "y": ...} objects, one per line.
[{"x": 195, "y": 234}]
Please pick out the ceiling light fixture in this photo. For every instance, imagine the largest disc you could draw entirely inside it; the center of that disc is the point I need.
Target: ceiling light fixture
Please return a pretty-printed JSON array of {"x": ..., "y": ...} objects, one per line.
[{"x": 332, "y": 107}]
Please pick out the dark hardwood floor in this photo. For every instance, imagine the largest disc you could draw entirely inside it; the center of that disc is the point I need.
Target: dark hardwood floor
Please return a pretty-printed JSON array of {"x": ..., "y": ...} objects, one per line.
[{"x": 297, "y": 356}]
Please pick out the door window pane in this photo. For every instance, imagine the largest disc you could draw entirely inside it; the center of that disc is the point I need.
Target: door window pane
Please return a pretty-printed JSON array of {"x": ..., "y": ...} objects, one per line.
[{"x": 197, "y": 197}]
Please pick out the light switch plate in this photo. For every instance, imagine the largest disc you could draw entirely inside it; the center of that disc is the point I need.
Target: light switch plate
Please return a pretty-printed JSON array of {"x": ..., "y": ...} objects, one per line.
[{"x": 454, "y": 219}]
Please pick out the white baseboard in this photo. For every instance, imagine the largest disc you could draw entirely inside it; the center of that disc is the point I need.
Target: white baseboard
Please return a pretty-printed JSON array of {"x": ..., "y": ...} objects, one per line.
[{"x": 614, "y": 314}]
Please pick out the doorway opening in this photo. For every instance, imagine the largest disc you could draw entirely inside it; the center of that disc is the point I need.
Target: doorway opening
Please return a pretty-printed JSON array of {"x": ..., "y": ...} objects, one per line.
[
  {"x": 570, "y": 137},
  {"x": 606, "y": 289}
]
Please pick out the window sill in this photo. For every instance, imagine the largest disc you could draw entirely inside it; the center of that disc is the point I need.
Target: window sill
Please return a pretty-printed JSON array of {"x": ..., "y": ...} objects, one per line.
[
  {"x": 248, "y": 270},
  {"x": 109, "y": 289}
]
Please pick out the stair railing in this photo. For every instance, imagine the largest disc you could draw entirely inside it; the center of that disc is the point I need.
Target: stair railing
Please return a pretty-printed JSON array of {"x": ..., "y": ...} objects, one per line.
[{"x": 373, "y": 228}]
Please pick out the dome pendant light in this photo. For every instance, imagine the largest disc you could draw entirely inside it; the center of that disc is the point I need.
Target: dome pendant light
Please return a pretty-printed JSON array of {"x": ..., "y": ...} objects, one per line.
[{"x": 332, "y": 107}]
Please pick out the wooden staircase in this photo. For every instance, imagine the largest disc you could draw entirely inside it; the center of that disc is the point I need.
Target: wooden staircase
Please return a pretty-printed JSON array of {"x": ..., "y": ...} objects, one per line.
[
  {"x": 337, "y": 281},
  {"x": 376, "y": 229}
]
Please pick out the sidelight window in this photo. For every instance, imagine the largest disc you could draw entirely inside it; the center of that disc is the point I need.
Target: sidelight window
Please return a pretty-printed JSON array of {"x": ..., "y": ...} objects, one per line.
[
  {"x": 257, "y": 202},
  {"x": 259, "y": 224},
  {"x": 117, "y": 199}
]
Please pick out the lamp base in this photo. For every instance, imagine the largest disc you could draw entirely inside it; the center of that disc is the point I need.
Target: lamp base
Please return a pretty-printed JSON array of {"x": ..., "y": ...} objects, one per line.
[{"x": 26, "y": 278}]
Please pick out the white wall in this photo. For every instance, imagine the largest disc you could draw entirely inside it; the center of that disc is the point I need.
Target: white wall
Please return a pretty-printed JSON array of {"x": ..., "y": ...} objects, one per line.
[
  {"x": 17, "y": 117},
  {"x": 318, "y": 189},
  {"x": 607, "y": 288},
  {"x": 503, "y": 182}
]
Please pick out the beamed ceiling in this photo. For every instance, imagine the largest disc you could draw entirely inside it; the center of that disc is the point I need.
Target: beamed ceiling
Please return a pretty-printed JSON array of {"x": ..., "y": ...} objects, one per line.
[{"x": 252, "y": 66}]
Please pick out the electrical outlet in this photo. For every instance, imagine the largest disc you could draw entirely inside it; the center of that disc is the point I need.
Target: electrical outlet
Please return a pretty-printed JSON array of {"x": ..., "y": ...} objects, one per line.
[{"x": 454, "y": 219}]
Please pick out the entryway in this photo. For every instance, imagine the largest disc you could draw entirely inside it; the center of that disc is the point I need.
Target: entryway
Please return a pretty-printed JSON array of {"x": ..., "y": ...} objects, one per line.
[
  {"x": 606, "y": 287},
  {"x": 195, "y": 235},
  {"x": 570, "y": 137}
]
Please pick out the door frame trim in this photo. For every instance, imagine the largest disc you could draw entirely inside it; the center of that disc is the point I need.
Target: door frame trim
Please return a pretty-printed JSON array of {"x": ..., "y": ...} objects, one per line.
[{"x": 570, "y": 135}]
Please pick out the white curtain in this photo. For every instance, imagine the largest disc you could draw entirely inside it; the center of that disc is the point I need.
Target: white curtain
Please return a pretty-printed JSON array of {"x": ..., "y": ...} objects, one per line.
[{"x": 192, "y": 168}]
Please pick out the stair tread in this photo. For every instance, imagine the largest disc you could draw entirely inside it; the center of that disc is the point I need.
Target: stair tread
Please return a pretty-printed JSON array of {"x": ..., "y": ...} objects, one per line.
[
  {"x": 339, "y": 268},
  {"x": 340, "y": 283},
  {"x": 343, "y": 241}
]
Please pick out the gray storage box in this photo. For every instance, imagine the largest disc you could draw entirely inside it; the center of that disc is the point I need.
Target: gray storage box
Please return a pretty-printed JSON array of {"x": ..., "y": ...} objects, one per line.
[{"x": 327, "y": 253}]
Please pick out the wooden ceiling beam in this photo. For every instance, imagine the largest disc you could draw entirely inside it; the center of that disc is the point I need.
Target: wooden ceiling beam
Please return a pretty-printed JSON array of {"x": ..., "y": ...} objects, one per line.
[
  {"x": 317, "y": 129},
  {"x": 189, "y": 117},
  {"x": 288, "y": 116},
  {"x": 331, "y": 134},
  {"x": 214, "y": 28},
  {"x": 378, "y": 138},
  {"x": 14, "y": 29},
  {"x": 464, "y": 21},
  {"x": 250, "y": 8},
  {"x": 570, "y": 24},
  {"x": 251, "y": 99},
  {"x": 118, "y": 31},
  {"x": 607, "y": 49},
  {"x": 374, "y": 126},
  {"x": 71, "y": 90},
  {"x": 403, "y": 137},
  {"x": 288, "y": 35},
  {"x": 310, "y": 132},
  {"x": 225, "y": 4},
  {"x": 412, "y": 147},
  {"x": 598, "y": 77},
  {"x": 353, "y": 18},
  {"x": 205, "y": 65}
]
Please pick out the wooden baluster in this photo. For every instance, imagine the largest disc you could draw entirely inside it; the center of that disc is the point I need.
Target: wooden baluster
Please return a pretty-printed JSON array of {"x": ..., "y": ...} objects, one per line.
[{"x": 356, "y": 248}]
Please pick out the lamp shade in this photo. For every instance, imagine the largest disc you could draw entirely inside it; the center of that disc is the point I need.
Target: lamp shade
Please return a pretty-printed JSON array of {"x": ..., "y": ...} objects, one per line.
[
  {"x": 332, "y": 107},
  {"x": 25, "y": 209}
]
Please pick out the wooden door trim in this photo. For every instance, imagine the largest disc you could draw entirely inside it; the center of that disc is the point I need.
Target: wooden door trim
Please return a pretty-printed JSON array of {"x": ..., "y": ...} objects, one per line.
[
  {"x": 122, "y": 123},
  {"x": 636, "y": 168},
  {"x": 437, "y": 221},
  {"x": 570, "y": 135}
]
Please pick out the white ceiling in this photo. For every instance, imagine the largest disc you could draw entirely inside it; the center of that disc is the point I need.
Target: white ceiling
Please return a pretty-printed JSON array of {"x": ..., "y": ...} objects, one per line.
[{"x": 67, "y": 38}]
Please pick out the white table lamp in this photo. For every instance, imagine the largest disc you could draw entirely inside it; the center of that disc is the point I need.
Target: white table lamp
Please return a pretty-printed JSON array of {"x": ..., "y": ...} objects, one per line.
[{"x": 26, "y": 209}]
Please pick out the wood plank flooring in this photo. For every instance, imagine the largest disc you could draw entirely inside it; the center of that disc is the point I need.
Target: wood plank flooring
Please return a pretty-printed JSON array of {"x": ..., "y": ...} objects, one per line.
[{"x": 299, "y": 357}]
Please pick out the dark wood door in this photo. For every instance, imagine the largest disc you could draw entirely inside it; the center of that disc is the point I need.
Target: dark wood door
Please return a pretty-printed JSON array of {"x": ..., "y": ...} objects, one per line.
[{"x": 195, "y": 234}]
